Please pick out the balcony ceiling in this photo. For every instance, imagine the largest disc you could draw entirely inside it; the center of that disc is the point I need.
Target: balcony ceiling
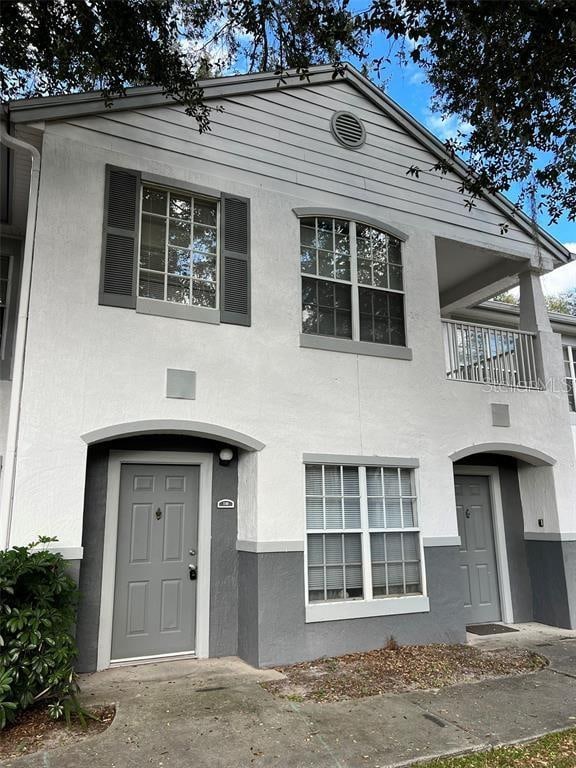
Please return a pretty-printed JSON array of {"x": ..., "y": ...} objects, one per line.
[{"x": 469, "y": 274}]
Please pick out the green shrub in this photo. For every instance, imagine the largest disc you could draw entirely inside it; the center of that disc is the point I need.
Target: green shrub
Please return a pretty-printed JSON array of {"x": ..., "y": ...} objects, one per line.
[{"x": 37, "y": 647}]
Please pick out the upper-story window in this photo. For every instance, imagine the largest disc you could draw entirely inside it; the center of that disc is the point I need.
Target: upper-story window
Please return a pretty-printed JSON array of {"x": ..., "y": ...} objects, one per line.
[
  {"x": 570, "y": 369},
  {"x": 352, "y": 281},
  {"x": 178, "y": 248}
]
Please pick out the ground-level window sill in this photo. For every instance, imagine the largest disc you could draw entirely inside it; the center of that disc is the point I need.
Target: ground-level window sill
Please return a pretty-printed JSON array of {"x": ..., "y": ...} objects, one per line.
[
  {"x": 392, "y": 606},
  {"x": 331, "y": 344}
]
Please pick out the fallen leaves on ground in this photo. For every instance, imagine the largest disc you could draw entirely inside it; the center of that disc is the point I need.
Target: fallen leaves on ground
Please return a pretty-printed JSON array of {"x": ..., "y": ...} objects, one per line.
[
  {"x": 398, "y": 669},
  {"x": 557, "y": 750},
  {"x": 34, "y": 729}
]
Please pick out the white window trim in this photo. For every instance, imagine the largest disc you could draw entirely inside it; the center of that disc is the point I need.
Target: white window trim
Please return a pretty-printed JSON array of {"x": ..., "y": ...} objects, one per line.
[
  {"x": 335, "y": 610},
  {"x": 571, "y": 349},
  {"x": 493, "y": 475},
  {"x": 115, "y": 462},
  {"x": 173, "y": 309}
]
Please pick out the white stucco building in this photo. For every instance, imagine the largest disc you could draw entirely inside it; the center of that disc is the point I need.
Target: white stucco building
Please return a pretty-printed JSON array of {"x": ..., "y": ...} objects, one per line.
[{"x": 247, "y": 385}]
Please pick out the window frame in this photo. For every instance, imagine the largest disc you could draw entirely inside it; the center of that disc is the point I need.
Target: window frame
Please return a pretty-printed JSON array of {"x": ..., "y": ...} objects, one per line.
[
  {"x": 570, "y": 351},
  {"x": 146, "y": 304},
  {"x": 13, "y": 247},
  {"x": 354, "y": 345},
  {"x": 368, "y": 605}
]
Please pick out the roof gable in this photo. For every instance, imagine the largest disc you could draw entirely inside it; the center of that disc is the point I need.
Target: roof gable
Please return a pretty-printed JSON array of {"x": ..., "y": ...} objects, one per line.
[{"x": 238, "y": 88}]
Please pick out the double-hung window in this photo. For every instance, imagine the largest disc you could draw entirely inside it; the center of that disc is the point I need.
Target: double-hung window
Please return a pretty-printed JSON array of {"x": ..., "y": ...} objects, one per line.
[
  {"x": 363, "y": 540},
  {"x": 178, "y": 248},
  {"x": 352, "y": 281},
  {"x": 174, "y": 249},
  {"x": 570, "y": 370}
]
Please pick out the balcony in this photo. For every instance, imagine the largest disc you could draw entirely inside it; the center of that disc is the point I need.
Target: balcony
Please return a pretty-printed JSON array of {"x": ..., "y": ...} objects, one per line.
[{"x": 486, "y": 354}]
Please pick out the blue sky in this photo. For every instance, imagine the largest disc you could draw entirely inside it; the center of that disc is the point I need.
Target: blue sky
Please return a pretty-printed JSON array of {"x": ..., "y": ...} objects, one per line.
[{"x": 406, "y": 85}]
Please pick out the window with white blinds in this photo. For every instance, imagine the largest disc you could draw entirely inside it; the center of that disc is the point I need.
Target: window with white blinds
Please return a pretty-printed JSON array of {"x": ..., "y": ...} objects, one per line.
[{"x": 363, "y": 540}]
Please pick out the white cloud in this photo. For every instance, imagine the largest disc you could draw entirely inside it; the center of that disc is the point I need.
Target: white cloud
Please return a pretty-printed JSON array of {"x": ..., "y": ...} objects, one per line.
[
  {"x": 563, "y": 278},
  {"x": 446, "y": 127}
]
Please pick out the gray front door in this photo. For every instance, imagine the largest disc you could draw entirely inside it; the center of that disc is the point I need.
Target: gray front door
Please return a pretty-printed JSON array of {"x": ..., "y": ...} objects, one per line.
[
  {"x": 154, "y": 597},
  {"x": 477, "y": 550}
]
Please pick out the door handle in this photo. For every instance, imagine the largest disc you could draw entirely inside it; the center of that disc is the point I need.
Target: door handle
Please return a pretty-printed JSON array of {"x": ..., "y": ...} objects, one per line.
[
  {"x": 467, "y": 512},
  {"x": 192, "y": 572}
]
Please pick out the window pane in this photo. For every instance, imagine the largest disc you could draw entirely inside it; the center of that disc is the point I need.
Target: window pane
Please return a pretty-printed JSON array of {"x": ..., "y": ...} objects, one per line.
[
  {"x": 352, "y": 512},
  {"x": 179, "y": 233},
  {"x": 351, "y": 481},
  {"x": 178, "y": 261},
  {"x": 204, "y": 239},
  {"x": 408, "y": 519},
  {"x": 393, "y": 513},
  {"x": 314, "y": 512},
  {"x": 153, "y": 243},
  {"x": 307, "y": 237},
  {"x": 205, "y": 266},
  {"x": 154, "y": 200},
  {"x": 180, "y": 206},
  {"x": 151, "y": 285},
  {"x": 333, "y": 548},
  {"x": 332, "y": 481},
  {"x": 203, "y": 294},
  {"x": 376, "y": 513},
  {"x": 325, "y": 264},
  {"x": 308, "y": 260},
  {"x": 178, "y": 290},
  {"x": 334, "y": 512},
  {"x": 314, "y": 479},
  {"x": 315, "y": 549},
  {"x": 205, "y": 212}
]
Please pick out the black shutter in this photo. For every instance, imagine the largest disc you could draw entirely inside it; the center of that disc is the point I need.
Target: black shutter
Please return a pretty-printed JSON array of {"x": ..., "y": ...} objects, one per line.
[
  {"x": 235, "y": 260},
  {"x": 120, "y": 238}
]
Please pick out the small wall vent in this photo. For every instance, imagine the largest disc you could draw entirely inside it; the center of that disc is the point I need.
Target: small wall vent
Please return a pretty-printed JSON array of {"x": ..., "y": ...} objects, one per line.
[{"x": 347, "y": 129}]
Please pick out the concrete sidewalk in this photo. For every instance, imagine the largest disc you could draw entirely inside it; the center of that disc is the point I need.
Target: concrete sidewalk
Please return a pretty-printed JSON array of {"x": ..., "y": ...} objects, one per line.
[{"x": 214, "y": 714}]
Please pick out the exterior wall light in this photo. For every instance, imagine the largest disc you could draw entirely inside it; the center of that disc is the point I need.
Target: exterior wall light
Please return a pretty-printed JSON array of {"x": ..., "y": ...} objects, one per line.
[{"x": 225, "y": 456}]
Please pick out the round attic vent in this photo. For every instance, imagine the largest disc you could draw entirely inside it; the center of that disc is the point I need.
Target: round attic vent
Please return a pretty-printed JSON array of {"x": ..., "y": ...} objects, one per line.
[{"x": 347, "y": 129}]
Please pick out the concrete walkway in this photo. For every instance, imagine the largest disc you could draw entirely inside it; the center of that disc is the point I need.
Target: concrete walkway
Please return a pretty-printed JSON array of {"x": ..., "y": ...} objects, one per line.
[{"x": 214, "y": 714}]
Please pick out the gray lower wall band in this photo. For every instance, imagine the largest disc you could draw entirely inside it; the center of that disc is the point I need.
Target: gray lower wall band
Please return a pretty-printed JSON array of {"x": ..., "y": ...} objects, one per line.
[{"x": 275, "y": 581}]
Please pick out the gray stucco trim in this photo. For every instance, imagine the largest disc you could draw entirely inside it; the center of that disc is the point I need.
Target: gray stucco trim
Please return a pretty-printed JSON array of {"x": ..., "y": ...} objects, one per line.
[
  {"x": 272, "y": 616},
  {"x": 170, "y": 181},
  {"x": 553, "y": 573},
  {"x": 269, "y": 546},
  {"x": 360, "y": 218},
  {"x": 329, "y": 344},
  {"x": 530, "y": 455},
  {"x": 359, "y": 461},
  {"x": 550, "y": 536},
  {"x": 173, "y": 427},
  {"x": 68, "y": 553},
  {"x": 441, "y": 541},
  {"x": 177, "y": 311}
]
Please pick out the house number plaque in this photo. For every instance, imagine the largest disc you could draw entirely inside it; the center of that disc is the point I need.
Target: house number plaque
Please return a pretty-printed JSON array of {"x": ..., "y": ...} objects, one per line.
[{"x": 225, "y": 504}]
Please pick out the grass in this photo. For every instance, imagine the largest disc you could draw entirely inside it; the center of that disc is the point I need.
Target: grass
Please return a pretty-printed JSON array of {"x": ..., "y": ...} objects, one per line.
[{"x": 557, "y": 750}]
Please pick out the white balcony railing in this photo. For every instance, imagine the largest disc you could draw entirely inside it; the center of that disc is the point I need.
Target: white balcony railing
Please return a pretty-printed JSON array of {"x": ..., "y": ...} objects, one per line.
[{"x": 486, "y": 354}]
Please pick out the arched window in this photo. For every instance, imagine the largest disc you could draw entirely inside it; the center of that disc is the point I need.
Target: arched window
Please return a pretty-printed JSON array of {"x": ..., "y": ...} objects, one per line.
[{"x": 352, "y": 281}]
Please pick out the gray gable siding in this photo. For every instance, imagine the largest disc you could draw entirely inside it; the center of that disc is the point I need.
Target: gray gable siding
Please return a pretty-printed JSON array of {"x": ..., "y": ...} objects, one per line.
[{"x": 281, "y": 139}]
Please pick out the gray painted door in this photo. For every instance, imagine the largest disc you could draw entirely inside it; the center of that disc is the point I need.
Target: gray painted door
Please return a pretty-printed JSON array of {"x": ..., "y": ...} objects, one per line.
[
  {"x": 478, "y": 550},
  {"x": 155, "y": 599}
]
